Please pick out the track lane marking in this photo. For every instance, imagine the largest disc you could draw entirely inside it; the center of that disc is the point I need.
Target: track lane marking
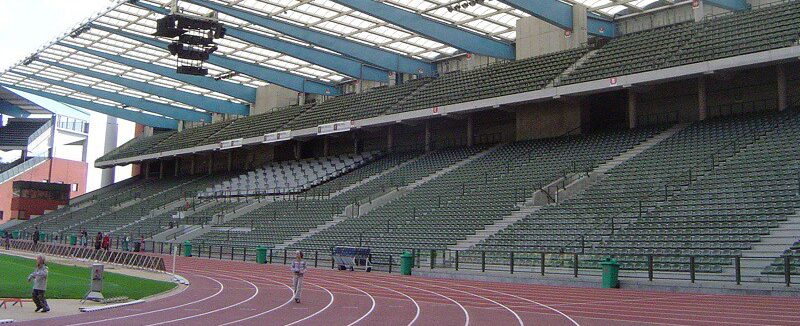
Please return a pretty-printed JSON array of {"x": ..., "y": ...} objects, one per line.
[
  {"x": 222, "y": 287},
  {"x": 215, "y": 310}
]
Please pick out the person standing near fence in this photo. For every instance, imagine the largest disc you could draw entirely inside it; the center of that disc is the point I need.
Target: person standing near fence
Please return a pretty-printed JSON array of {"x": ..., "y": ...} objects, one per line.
[
  {"x": 39, "y": 278},
  {"x": 35, "y": 238},
  {"x": 98, "y": 240},
  {"x": 298, "y": 270},
  {"x": 8, "y": 239}
]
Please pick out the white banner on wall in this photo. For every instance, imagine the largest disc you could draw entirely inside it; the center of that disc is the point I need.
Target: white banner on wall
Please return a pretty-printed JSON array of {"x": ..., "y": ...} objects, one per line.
[
  {"x": 233, "y": 143},
  {"x": 277, "y": 136},
  {"x": 332, "y": 128}
]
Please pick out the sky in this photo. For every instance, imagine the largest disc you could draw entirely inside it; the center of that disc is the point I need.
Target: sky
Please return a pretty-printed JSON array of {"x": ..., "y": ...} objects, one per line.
[{"x": 27, "y": 25}]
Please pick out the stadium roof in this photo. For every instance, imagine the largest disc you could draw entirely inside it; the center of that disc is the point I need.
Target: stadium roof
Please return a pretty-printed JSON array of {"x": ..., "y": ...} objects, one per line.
[{"x": 110, "y": 62}]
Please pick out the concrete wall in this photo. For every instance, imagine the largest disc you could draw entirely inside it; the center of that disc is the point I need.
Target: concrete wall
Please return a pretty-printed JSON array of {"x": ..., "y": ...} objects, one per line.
[
  {"x": 660, "y": 102},
  {"x": 448, "y": 132},
  {"x": 272, "y": 96},
  {"x": 656, "y": 19},
  {"x": 465, "y": 62},
  {"x": 747, "y": 90},
  {"x": 537, "y": 37},
  {"x": 793, "y": 83},
  {"x": 547, "y": 119},
  {"x": 493, "y": 126},
  {"x": 680, "y": 13}
]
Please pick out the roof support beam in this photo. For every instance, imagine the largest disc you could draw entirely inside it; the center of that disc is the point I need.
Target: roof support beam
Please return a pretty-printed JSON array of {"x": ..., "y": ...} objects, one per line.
[
  {"x": 325, "y": 59},
  {"x": 388, "y": 60},
  {"x": 560, "y": 14},
  {"x": 12, "y": 110},
  {"x": 198, "y": 101},
  {"x": 242, "y": 92},
  {"x": 444, "y": 33},
  {"x": 732, "y": 5},
  {"x": 138, "y": 117},
  {"x": 150, "y": 106},
  {"x": 280, "y": 78}
]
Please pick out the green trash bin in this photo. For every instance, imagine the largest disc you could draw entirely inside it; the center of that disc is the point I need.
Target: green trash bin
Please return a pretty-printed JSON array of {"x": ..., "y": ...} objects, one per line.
[
  {"x": 73, "y": 239},
  {"x": 42, "y": 236},
  {"x": 15, "y": 234},
  {"x": 187, "y": 248},
  {"x": 261, "y": 255},
  {"x": 610, "y": 273},
  {"x": 406, "y": 262}
]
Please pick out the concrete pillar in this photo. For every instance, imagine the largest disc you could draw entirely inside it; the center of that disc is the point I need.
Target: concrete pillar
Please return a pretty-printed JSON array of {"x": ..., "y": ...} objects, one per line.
[
  {"x": 325, "y": 146},
  {"x": 146, "y": 170},
  {"x": 297, "y": 150},
  {"x": 633, "y": 98},
  {"x": 161, "y": 169},
  {"x": 390, "y": 138},
  {"x": 355, "y": 142},
  {"x": 428, "y": 136},
  {"x": 177, "y": 166},
  {"x": 107, "y": 176},
  {"x": 192, "y": 170},
  {"x": 781, "y": 75},
  {"x": 230, "y": 161},
  {"x": 210, "y": 163},
  {"x": 538, "y": 37},
  {"x": 272, "y": 96},
  {"x": 470, "y": 130},
  {"x": 702, "y": 105}
]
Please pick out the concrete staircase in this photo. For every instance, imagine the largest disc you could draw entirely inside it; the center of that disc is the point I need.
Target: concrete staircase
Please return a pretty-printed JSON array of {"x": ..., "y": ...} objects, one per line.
[
  {"x": 194, "y": 231},
  {"x": 771, "y": 247},
  {"x": 336, "y": 220},
  {"x": 452, "y": 167},
  {"x": 575, "y": 184},
  {"x": 367, "y": 180},
  {"x": 354, "y": 212},
  {"x": 493, "y": 229},
  {"x": 638, "y": 149},
  {"x": 572, "y": 68}
]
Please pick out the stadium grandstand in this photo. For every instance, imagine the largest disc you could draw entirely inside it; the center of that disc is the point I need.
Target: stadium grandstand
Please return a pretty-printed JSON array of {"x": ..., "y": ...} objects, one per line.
[{"x": 540, "y": 142}]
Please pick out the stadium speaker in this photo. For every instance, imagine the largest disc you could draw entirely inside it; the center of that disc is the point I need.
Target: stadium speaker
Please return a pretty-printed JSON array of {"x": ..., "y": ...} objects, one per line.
[
  {"x": 192, "y": 70},
  {"x": 195, "y": 40},
  {"x": 165, "y": 27},
  {"x": 199, "y": 23}
]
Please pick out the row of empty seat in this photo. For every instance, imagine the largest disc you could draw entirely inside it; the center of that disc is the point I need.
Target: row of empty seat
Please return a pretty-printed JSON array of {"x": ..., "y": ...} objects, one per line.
[{"x": 289, "y": 176}]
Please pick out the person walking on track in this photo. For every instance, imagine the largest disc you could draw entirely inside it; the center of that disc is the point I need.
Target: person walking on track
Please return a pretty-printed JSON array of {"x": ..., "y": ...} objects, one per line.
[
  {"x": 39, "y": 278},
  {"x": 298, "y": 270}
]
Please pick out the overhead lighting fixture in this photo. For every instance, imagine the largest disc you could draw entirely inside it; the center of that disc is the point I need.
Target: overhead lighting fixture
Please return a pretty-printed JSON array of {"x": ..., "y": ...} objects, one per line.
[
  {"x": 463, "y": 5},
  {"x": 195, "y": 38}
]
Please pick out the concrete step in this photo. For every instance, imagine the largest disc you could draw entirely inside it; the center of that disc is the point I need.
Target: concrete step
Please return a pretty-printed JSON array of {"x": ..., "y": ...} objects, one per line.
[
  {"x": 638, "y": 149},
  {"x": 452, "y": 167}
]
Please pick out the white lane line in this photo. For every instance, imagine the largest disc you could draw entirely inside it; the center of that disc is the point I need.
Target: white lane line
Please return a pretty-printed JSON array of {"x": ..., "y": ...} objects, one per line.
[
  {"x": 291, "y": 298},
  {"x": 215, "y": 310},
  {"x": 519, "y": 320},
  {"x": 370, "y": 309},
  {"x": 318, "y": 312},
  {"x": 221, "y": 288},
  {"x": 416, "y": 305},
  {"x": 466, "y": 314},
  {"x": 528, "y": 300}
]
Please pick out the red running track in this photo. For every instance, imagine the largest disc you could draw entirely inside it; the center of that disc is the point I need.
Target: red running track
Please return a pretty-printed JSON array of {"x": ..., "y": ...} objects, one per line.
[{"x": 239, "y": 293}]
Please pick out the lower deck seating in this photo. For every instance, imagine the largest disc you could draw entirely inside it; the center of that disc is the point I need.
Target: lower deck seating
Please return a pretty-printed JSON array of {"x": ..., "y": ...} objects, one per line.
[
  {"x": 456, "y": 204},
  {"x": 740, "y": 186}
]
